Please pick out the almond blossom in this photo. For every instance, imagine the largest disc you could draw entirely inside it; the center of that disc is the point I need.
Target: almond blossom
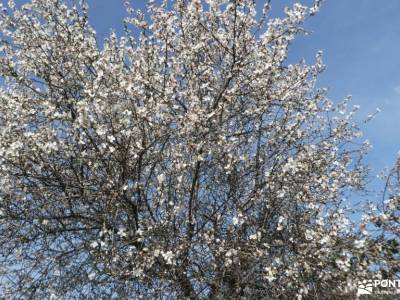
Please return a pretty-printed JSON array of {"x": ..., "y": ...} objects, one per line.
[{"x": 185, "y": 159}]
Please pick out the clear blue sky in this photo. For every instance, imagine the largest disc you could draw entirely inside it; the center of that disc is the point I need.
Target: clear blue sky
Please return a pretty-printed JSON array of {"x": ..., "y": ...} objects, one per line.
[{"x": 361, "y": 44}]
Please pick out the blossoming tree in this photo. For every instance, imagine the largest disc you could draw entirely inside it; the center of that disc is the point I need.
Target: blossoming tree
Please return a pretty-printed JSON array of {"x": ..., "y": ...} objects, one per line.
[{"x": 183, "y": 160}]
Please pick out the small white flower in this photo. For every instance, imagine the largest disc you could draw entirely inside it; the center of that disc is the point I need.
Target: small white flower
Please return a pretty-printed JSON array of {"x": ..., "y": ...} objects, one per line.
[
  {"x": 309, "y": 235},
  {"x": 168, "y": 256},
  {"x": 136, "y": 272},
  {"x": 231, "y": 252},
  {"x": 325, "y": 240},
  {"x": 235, "y": 221},
  {"x": 281, "y": 194},
  {"x": 253, "y": 237},
  {"x": 270, "y": 274},
  {"x": 161, "y": 178},
  {"x": 359, "y": 244},
  {"x": 53, "y": 296},
  {"x": 122, "y": 232},
  {"x": 281, "y": 223}
]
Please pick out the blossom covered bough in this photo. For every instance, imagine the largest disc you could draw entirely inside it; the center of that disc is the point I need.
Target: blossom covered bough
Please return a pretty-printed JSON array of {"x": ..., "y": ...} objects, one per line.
[{"x": 183, "y": 160}]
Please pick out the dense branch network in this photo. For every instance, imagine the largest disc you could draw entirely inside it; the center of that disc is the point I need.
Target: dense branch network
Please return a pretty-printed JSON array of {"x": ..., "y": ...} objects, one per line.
[{"x": 185, "y": 159}]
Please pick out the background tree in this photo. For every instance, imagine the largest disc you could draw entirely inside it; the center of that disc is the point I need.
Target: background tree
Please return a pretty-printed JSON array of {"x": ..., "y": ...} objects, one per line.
[{"x": 185, "y": 159}]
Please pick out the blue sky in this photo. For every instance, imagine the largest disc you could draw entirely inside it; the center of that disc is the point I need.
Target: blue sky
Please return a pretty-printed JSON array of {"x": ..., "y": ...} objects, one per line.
[{"x": 361, "y": 44}]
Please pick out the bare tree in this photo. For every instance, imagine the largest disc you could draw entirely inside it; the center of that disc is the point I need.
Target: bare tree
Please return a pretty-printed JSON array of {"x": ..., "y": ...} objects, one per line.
[{"x": 183, "y": 160}]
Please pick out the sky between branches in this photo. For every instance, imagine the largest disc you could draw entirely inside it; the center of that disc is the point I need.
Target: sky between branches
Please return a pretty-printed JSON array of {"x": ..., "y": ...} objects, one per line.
[{"x": 361, "y": 44}]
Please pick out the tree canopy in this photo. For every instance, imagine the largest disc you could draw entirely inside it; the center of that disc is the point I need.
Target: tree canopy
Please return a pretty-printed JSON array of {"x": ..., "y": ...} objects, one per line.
[{"x": 185, "y": 159}]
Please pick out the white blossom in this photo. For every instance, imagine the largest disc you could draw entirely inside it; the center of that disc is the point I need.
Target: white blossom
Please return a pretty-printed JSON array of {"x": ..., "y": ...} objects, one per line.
[{"x": 183, "y": 158}]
